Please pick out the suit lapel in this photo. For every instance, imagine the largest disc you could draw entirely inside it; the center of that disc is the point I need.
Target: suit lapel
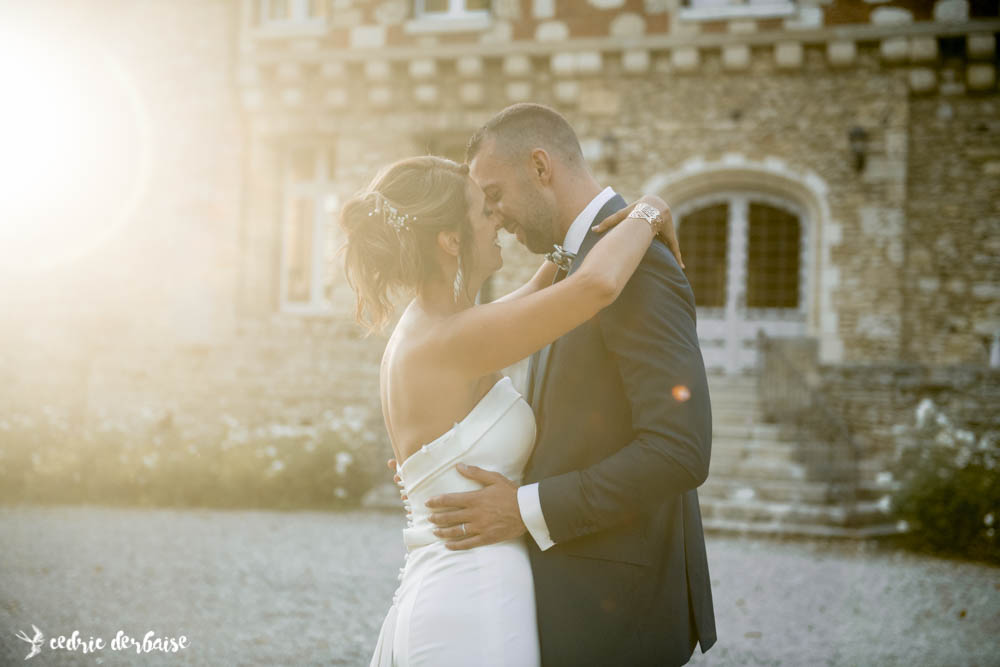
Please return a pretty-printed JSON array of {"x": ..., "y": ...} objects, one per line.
[
  {"x": 532, "y": 370},
  {"x": 539, "y": 366},
  {"x": 539, "y": 360}
]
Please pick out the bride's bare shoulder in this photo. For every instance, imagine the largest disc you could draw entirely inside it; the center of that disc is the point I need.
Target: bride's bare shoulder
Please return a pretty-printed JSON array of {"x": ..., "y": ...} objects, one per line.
[{"x": 420, "y": 335}]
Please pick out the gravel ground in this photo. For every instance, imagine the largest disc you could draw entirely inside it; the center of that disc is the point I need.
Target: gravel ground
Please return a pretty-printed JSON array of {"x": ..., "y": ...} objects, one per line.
[{"x": 303, "y": 588}]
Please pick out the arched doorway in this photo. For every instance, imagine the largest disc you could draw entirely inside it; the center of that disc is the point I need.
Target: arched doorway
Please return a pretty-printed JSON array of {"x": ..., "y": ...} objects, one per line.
[
  {"x": 756, "y": 237},
  {"x": 746, "y": 257}
]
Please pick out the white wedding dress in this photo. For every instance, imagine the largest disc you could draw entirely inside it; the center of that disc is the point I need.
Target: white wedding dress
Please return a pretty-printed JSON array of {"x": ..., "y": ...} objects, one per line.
[{"x": 474, "y": 606}]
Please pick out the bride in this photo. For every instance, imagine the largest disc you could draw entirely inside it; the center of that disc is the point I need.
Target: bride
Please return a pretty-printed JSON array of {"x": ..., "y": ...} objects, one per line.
[{"x": 423, "y": 226}]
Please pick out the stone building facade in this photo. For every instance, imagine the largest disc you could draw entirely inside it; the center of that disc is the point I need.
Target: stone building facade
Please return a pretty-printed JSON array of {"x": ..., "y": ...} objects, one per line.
[
  {"x": 699, "y": 104},
  {"x": 834, "y": 167}
]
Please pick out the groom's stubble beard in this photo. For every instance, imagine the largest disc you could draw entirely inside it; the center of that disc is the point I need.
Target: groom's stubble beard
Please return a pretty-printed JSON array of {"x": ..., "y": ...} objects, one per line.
[{"x": 538, "y": 222}]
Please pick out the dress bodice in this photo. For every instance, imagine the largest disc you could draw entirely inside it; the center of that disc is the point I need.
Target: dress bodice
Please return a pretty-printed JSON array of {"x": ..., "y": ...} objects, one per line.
[
  {"x": 464, "y": 606},
  {"x": 498, "y": 435}
]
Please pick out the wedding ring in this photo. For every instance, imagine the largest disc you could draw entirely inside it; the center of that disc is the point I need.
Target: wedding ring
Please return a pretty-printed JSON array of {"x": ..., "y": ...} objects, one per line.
[{"x": 463, "y": 530}]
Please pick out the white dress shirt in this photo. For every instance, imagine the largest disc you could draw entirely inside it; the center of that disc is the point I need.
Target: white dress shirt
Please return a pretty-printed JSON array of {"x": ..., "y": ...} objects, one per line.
[{"x": 528, "y": 502}]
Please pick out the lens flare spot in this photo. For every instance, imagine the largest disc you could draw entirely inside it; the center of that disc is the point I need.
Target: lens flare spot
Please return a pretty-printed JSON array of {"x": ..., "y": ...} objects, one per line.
[{"x": 680, "y": 393}]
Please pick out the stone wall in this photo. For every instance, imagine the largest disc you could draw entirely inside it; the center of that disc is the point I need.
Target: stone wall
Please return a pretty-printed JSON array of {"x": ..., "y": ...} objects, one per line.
[
  {"x": 876, "y": 399},
  {"x": 665, "y": 120},
  {"x": 952, "y": 268},
  {"x": 677, "y": 90},
  {"x": 179, "y": 315}
]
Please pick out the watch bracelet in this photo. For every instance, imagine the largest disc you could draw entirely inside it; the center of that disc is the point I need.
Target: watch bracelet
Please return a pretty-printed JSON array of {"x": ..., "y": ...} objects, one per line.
[{"x": 656, "y": 226}]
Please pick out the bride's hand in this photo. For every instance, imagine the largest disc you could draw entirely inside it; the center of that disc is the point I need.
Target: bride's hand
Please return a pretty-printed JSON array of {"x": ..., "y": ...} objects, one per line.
[{"x": 668, "y": 234}]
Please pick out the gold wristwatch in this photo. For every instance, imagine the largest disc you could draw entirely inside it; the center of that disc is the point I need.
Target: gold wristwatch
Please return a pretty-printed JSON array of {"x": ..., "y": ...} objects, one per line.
[{"x": 650, "y": 214}]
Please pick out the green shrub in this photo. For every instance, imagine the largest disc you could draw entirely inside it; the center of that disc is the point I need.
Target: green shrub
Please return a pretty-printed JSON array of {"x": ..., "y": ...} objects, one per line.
[{"x": 949, "y": 487}]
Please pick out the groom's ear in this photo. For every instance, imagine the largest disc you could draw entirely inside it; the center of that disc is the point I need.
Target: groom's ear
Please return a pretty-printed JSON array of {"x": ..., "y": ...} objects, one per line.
[
  {"x": 541, "y": 165},
  {"x": 449, "y": 242}
]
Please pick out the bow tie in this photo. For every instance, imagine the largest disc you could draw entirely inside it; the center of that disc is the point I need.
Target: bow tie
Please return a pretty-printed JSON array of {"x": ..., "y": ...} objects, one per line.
[{"x": 561, "y": 257}]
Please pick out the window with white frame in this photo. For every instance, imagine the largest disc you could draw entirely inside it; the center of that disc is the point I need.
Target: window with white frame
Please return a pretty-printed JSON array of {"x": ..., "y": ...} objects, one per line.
[
  {"x": 449, "y": 16},
  {"x": 724, "y": 9},
  {"x": 289, "y": 14},
  {"x": 307, "y": 227},
  {"x": 450, "y": 8}
]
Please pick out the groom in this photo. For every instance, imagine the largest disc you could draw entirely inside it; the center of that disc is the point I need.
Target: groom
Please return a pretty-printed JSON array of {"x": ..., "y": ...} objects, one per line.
[{"x": 624, "y": 429}]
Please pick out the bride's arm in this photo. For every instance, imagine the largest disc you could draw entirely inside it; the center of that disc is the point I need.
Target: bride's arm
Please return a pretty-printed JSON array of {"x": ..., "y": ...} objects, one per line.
[
  {"x": 493, "y": 336},
  {"x": 543, "y": 277},
  {"x": 668, "y": 232}
]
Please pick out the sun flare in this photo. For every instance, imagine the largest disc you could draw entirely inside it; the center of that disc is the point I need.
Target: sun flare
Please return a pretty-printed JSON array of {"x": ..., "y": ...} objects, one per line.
[{"x": 75, "y": 156}]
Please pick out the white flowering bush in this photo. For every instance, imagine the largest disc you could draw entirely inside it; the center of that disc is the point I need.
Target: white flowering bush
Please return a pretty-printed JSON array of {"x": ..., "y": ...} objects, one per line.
[
  {"x": 949, "y": 485},
  {"x": 276, "y": 465}
]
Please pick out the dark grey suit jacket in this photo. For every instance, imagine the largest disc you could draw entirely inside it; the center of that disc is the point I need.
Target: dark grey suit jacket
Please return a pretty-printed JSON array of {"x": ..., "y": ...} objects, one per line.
[{"x": 624, "y": 438}]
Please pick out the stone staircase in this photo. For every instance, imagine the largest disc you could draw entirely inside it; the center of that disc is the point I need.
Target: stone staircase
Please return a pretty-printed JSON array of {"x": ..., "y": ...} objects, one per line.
[{"x": 761, "y": 482}]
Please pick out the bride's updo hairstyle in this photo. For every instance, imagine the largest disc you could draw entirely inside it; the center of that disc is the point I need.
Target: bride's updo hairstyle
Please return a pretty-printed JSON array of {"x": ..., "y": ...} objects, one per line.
[{"x": 391, "y": 230}]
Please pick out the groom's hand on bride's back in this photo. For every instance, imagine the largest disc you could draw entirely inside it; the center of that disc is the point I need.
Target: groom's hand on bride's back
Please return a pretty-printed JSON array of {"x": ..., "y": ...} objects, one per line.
[
  {"x": 475, "y": 518},
  {"x": 668, "y": 234}
]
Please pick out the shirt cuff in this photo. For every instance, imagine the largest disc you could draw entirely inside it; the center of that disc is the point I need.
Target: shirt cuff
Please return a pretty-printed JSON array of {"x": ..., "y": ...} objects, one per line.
[{"x": 530, "y": 507}]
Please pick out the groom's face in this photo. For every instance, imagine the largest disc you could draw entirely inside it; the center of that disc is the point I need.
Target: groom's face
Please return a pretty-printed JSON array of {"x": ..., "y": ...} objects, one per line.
[{"x": 524, "y": 207}]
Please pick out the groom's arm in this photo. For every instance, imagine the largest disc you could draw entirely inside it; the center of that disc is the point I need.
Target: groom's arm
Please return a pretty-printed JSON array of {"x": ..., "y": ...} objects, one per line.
[{"x": 650, "y": 332}]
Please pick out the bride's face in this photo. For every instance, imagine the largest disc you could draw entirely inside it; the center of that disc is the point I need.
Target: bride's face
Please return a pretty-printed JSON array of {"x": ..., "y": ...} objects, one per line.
[{"x": 485, "y": 225}]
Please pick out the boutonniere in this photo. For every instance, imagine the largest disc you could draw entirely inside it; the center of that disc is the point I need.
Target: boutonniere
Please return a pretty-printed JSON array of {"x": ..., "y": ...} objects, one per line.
[{"x": 561, "y": 257}]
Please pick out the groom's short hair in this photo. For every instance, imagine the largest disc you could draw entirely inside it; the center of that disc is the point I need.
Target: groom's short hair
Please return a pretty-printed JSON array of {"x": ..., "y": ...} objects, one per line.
[{"x": 524, "y": 127}]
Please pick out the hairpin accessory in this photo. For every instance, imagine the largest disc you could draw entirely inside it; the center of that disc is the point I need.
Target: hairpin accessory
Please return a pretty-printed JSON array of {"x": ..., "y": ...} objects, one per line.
[{"x": 390, "y": 213}]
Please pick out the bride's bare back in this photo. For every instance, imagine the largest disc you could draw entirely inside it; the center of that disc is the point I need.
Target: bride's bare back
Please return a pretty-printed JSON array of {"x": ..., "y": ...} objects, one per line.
[{"x": 421, "y": 396}]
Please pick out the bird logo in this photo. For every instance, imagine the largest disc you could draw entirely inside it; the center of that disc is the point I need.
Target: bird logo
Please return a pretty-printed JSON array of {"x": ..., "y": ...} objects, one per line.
[{"x": 36, "y": 641}]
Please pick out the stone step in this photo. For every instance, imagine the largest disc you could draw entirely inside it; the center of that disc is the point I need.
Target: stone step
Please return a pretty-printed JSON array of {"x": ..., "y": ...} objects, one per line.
[
  {"x": 723, "y": 458},
  {"x": 719, "y": 379},
  {"x": 788, "y": 468},
  {"x": 745, "y": 391},
  {"x": 763, "y": 476},
  {"x": 734, "y": 396},
  {"x": 736, "y": 416},
  {"x": 758, "y": 469},
  {"x": 813, "y": 514},
  {"x": 729, "y": 444},
  {"x": 773, "y": 490},
  {"x": 815, "y": 455},
  {"x": 726, "y": 397},
  {"x": 777, "y": 529},
  {"x": 756, "y": 431}
]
